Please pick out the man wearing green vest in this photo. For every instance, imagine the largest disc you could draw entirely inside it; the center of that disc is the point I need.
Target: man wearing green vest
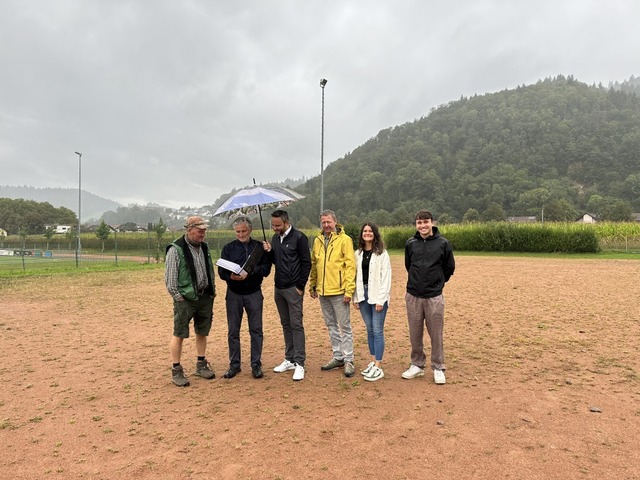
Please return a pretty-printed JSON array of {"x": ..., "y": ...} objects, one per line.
[{"x": 190, "y": 282}]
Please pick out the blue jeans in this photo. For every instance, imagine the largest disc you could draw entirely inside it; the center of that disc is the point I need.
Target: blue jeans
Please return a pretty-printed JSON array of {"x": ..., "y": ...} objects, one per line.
[{"x": 374, "y": 321}]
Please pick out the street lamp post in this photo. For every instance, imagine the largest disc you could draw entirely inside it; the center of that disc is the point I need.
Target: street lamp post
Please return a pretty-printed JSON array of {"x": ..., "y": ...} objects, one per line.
[
  {"x": 323, "y": 82},
  {"x": 78, "y": 246},
  {"x": 115, "y": 235}
]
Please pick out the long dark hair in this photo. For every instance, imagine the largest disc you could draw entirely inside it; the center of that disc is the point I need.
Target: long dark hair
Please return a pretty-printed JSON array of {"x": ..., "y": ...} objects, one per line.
[{"x": 378, "y": 244}]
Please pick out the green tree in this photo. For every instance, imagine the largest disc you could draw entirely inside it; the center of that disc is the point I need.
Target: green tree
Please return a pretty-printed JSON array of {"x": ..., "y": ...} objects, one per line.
[
  {"x": 471, "y": 216},
  {"x": 304, "y": 223},
  {"x": 49, "y": 232},
  {"x": 530, "y": 202},
  {"x": 23, "y": 232},
  {"x": 128, "y": 227},
  {"x": 617, "y": 211},
  {"x": 160, "y": 230},
  {"x": 102, "y": 232},
  {"x": 560, "y": 211},
  {"x": 595, "y": 204},
  {"x": 444, "y": 219},
  {"x": 494, "y": 213},
  {"x": 72, "y": 237},
  {"x": 381, "y": 218}
]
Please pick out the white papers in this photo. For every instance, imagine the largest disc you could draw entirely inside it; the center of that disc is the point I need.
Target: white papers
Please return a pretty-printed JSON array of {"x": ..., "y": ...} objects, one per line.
[{"x": 231, "y": 266}]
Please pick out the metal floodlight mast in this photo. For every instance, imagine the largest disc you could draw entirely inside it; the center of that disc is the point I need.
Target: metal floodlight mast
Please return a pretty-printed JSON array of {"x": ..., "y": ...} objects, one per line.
[
  {"x": 78, "y": 246},
  {"x": 323, "y": 82}
]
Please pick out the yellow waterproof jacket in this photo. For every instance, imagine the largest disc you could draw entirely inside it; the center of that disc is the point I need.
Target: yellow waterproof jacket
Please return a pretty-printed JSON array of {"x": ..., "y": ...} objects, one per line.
[{"x": 333, "y": 268}]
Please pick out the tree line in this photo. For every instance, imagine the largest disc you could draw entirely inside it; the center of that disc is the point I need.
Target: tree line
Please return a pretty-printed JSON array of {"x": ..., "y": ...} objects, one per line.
[{"x": 32, "y": 217}]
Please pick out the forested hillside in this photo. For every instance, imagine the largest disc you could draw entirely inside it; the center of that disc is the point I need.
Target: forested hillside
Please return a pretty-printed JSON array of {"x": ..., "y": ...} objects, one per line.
[{"x": 559, "y": 145}]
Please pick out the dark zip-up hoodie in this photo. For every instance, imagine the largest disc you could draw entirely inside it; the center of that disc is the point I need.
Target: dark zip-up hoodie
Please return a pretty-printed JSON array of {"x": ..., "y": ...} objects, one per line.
[
  {"x": 429, "y": 263},
  {"x": 292, "y": 260}
]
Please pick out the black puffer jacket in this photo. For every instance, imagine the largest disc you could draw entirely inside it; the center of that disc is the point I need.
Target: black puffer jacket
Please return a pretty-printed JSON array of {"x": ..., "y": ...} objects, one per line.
[{"x": 429, "y": 263}]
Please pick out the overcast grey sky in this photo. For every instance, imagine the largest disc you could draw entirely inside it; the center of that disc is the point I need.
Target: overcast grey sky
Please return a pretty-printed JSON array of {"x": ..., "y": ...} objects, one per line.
[{"x": 178, "y": 101}]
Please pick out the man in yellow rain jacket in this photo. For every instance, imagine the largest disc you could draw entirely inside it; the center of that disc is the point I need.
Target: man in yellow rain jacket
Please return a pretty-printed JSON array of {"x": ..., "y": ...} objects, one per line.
[{"x": 333, "y": 275}]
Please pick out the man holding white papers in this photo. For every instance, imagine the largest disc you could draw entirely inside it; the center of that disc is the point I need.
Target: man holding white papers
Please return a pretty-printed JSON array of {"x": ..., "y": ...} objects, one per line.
[{"x": 244, "y": 293}]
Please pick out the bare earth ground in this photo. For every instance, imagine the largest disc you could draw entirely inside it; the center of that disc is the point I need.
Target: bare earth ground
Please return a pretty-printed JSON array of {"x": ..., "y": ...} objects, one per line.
[{"x": 533, "y": 346}]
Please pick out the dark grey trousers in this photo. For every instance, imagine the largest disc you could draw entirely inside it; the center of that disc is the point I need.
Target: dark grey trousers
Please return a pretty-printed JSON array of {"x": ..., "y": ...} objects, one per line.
[
  {"x": 236, "y": 305},
  {"x": 289, "y": 304}
]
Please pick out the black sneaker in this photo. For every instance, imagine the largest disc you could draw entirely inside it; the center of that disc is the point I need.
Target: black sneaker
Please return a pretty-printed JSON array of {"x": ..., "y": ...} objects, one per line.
[
  {"x": 178, "y": 376},
  {"x": 203, "y": 369}
]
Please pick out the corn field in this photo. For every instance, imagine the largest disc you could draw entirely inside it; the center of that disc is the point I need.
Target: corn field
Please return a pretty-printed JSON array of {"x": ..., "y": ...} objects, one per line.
[{"x": 36, "y": 252}]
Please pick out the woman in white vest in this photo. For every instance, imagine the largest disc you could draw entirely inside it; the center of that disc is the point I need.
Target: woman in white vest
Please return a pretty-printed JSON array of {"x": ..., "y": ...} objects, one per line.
[{"x": 371, "y": 297}]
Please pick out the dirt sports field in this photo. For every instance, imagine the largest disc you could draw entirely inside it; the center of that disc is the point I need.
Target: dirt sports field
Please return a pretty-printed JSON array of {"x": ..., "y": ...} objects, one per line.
[{"x": 543, "y": 382}]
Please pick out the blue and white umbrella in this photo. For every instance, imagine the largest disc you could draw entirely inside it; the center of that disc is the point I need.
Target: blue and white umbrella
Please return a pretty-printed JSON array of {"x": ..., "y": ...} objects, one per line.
[{"x": 243, "y": 200}]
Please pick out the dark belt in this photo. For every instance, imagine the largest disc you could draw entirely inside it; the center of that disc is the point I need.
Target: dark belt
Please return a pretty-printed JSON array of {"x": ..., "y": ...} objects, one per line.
[{"x": 201, "y": 292}]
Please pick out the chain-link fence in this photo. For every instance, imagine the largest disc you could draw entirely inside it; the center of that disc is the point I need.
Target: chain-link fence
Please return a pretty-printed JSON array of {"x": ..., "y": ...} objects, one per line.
[{"x": 34, "y": 254}]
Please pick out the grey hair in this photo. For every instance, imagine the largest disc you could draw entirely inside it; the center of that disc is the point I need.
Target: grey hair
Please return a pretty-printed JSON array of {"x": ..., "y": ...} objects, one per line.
[
  {"x": 329, "y": 213},
  {"x": 240, "y": 220}
]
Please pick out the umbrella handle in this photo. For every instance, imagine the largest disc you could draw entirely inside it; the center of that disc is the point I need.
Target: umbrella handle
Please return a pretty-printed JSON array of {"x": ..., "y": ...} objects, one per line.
[{"x": 262, "y": 223}]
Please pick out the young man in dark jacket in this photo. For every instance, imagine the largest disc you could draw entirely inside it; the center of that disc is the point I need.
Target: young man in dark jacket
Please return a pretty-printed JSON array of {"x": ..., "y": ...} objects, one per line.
[
  {"x": 244, "y": 293},
  {"x": 289, "y": 251},
  {"x": 428, "y": 258}
]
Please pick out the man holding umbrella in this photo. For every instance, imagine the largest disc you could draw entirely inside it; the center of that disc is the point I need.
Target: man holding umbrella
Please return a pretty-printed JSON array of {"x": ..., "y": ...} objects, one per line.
[
  {"x": 244, "y": 293},
  {"x": 289, "y": 251}
]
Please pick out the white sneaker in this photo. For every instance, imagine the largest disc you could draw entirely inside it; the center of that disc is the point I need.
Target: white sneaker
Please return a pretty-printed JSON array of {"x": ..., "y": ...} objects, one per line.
[
  {"x": 284, "y": 366},
  {"x": 298, "y": 374},
  {"x": 376, "y": 373},
  {"x": 413, "y": 372},
  {"x": 438, "y": 377},
  {"x": 366, "y": 371}
]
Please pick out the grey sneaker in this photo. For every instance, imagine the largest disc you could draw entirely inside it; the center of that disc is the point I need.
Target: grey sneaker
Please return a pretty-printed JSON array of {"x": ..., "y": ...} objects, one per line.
[
  {"x": 349, "y": 369},
  {"x": 178, "y": 376},
  {"x": 334, "y": 363},
  {"x": 203, "y": 369}
]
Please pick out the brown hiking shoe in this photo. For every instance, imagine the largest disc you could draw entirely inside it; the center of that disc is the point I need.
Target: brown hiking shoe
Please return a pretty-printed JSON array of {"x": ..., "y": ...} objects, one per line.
[
  {"x": 203, "y": 369},
  {"x": 178, "y": 376}
]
